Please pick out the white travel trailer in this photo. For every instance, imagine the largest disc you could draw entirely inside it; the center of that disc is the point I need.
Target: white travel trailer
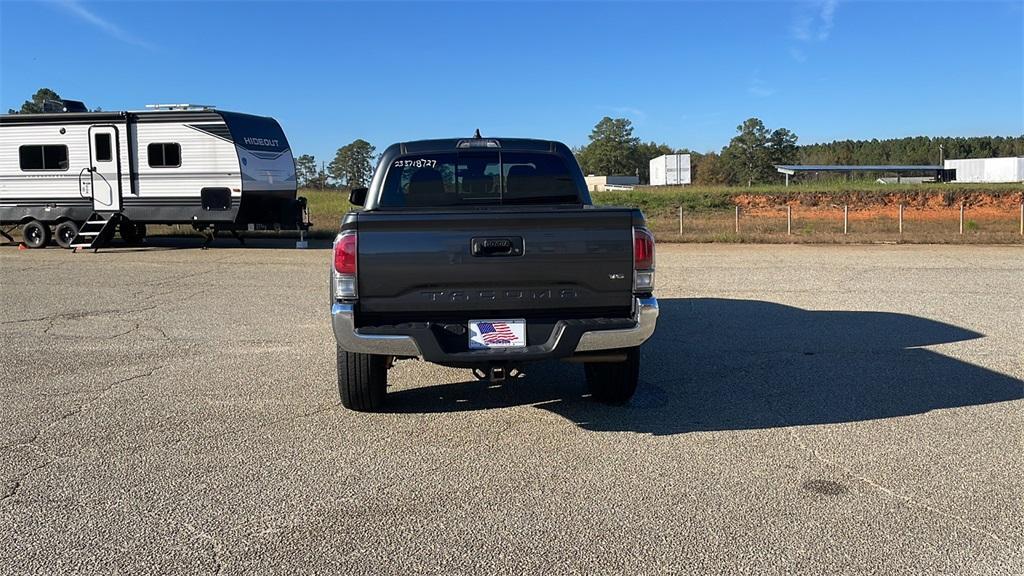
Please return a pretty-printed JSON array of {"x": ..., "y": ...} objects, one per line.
[{"x": 62, "y": 173}]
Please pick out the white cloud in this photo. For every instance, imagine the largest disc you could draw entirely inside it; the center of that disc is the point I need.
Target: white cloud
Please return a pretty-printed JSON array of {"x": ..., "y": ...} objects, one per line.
[
  {"x": 812, "y": 23},
  {"x": 827, "y": 16},
  {"x": 74, "y": 8}
]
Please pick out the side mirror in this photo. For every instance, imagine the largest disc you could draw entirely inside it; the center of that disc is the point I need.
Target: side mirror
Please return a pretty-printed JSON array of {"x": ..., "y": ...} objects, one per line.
[{"x": 357, "y": 196}]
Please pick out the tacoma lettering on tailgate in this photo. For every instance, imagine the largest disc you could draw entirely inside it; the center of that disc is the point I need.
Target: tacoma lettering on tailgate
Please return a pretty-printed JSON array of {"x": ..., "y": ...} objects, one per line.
[{"x": 495, "y": 295}]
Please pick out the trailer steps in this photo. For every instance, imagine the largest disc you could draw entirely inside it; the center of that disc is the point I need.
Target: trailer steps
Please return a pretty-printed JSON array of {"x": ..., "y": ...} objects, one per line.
[{"x": 96, "y": 232}]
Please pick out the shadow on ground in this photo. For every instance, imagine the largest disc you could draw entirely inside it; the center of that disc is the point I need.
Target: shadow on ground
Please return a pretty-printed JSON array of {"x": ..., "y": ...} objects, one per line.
[
  {"x": 158, "y": 243},
  {"x": 717, "y": 364}
]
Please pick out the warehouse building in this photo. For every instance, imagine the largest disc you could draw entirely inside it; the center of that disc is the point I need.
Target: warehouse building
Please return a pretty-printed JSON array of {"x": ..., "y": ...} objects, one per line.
[
  {"x": 988, "y": 170},
  {"x": 935, "y": 172},
  {"x": 604, "y": 183}
]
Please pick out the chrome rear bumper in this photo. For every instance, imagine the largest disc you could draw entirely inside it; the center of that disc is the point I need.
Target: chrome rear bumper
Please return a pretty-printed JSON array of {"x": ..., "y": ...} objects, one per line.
[{"x": 645, "y": 316}]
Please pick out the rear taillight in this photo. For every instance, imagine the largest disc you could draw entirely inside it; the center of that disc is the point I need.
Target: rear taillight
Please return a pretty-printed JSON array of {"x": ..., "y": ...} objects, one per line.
[
  {"x": 643, "y": 260},
  {"x": 345, "y": 265}
]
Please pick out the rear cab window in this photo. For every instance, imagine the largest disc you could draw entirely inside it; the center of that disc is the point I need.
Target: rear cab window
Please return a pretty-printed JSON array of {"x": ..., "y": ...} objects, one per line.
[{"x": 478, "y": 178}]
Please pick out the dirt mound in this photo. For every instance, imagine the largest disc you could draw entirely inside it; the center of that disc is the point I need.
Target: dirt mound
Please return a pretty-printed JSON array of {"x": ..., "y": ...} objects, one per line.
[{"x": 866, "y": 205}]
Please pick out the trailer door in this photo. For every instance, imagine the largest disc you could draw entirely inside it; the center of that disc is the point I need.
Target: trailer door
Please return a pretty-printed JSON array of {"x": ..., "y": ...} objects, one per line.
[{"x": 105, "y": 168}]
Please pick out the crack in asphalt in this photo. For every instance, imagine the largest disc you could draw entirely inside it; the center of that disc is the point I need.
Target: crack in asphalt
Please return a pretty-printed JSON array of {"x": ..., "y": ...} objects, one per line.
[
  {"x": 49, "y": 457},
  {"x": 103, "y": 392},
  {"x": 160, "y": 330},
  {"x": 138, "y": 326},
  {"x": 180, "y": 278},
  {"x": 16, "y": 487},
  {"x": 11, "y": 490},
  {"x": 125, "y": 333},
  {"x": 216, "y": 547},
  {"x": 908, "y": 500},
  {"x": 78, "y": 315}
]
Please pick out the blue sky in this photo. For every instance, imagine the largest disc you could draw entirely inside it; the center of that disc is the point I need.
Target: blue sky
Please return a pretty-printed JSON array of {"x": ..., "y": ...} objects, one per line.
[{"x": 686, "y": 73}]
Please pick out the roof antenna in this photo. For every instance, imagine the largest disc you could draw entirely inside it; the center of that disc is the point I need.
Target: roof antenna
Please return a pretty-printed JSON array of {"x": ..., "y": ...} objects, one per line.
[{"x": 477, "y": 134}]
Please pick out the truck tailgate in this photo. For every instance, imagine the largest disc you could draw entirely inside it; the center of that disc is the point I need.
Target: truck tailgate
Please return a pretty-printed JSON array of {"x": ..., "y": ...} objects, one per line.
[{"x": 564, "y": 261}]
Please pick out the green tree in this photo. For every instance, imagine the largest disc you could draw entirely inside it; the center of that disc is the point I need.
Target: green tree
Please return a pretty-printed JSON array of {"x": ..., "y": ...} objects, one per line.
[
  {"x": 580, "y": 152},
  {"x": 709, "y": 170},
  {"x": 782, "y": 148},
  {"x": 912, "y": 150},
  {"x": 612, "y": 149},
  {"x": 747, "y": 155},
  {"x": 306, "y": 172},
  {"x": 35, "y": 105},
  {"x": 323, "y": 180},
  {"x": 353, "y": 164}
]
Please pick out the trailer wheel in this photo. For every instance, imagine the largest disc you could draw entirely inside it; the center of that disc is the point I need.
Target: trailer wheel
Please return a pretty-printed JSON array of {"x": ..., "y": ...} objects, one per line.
[
  {"x": 362, "y": 381},
  {"x": 614, "y": 382},
  {"x": 35, "y": 234},
  {"x": 65, "y": 233},
  {"x": 131, "y": 232}
]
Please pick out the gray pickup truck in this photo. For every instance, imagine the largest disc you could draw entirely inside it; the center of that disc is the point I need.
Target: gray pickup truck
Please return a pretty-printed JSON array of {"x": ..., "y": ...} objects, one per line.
[{"x": 488, "y": 254}]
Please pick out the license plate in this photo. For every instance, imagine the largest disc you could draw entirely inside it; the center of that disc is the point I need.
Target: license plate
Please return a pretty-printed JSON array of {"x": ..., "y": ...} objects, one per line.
[{"x": 497, "y": 334}]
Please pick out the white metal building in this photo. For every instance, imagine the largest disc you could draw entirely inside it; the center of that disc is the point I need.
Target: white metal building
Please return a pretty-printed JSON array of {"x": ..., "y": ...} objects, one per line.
[
  {"x": 604, "y": 183},
  {"x": 989, "y": 170},
  {"x": 670, "y": 170}
]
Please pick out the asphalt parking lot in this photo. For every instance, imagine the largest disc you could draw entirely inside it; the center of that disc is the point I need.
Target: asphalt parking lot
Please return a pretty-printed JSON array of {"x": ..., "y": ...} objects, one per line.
[{"x": 803, "y": 410}]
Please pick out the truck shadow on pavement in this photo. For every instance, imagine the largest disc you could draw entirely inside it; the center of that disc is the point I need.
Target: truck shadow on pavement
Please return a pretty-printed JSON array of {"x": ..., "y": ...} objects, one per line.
[
  {"x": 222, "y": 242},
  {"x": 719, "y": 364},
  {"x": 161, "y": 243}
]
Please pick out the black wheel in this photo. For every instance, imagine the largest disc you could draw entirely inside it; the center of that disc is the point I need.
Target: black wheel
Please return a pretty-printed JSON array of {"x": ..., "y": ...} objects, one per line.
[
  {"x": 362, "y": 380},
  {"x": 35, "y": 234},
  {"x": 614, "y": 382},
  {"x": 65, "y": 233},
  {"x": 131, "y": 232}
]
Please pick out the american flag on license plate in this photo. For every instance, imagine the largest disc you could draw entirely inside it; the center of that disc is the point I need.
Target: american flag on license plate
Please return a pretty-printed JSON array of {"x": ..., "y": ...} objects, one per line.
[{"x": 496, "y": 333}]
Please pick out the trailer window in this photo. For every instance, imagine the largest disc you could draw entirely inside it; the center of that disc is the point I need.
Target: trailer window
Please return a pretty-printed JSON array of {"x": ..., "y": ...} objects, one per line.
[
  {"x": 164, "y": 155},
  {"x": 43, "y": 157},
  {"x": 104, "y": 149},
  {"x": 104, "y": 152}
]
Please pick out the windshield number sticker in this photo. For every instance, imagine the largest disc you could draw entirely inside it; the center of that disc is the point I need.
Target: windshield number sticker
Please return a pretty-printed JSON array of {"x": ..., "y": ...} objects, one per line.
[{"x": 418, "y": 163}]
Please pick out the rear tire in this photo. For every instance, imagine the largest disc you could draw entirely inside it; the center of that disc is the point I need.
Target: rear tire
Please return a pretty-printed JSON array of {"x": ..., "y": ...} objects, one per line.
[
  {"x": 132, "y": 232},
  {"x": 35, "y": 234},
  {"x": 362, "y": 381},
  {"x": 65, "y": 233},
  {"x": 614, "y": 382}
]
